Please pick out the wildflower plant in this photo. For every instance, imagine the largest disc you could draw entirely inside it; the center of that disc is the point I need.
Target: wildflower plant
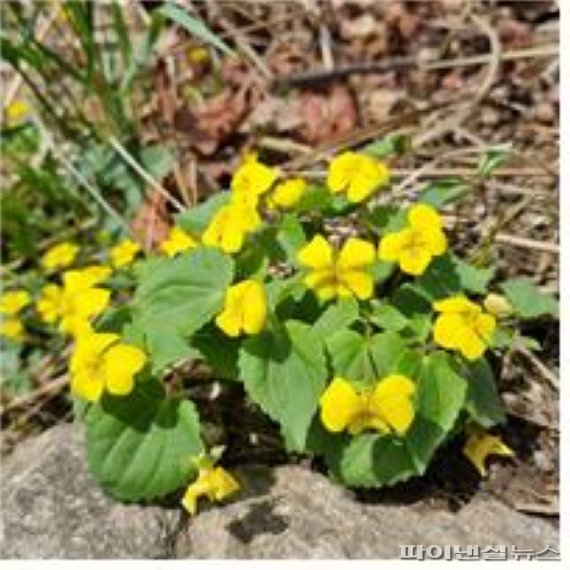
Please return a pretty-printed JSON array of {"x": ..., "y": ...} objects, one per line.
[{"x": 369, "y": 347}]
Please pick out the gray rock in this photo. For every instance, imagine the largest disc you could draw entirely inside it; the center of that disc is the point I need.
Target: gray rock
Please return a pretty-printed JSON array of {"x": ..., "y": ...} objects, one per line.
[
  {"x": 291, "y": 512},
  {"x": 52, "y": 508}
]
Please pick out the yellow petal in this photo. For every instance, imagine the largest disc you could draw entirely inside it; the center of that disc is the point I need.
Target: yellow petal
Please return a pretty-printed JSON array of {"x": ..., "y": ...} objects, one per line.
[
  {"x": 124, "y": 252},
  {"x": 360, "y": 283},
  {"x": 454, "y": 304},
  {"x": 60, "y": 255},
  {"x": 87, "y": 386},
  {"x": 317, "y": 254},
  {"x": 486, "y": 325},
  {"x": 480, "y": 445},
  {"x": 90, "y": 302},
  {"x": 12, "y": 328},
  {"x": 469, "y": 343},
  {"x": 414, "y": 261},
  {"x": 392, "y": 402},
  {"x": 253, "y": 177},
  {"x": 89, "y": 348},
  {"x": 288, "y": 193},
  {"x": 445, "y": 329},
  {"x": 223, "y": 484},
  {"x": 341, "y": 171},
  {"x": 435, "y": 241},
  {"x": 340, "y": 403},
  {"x": 369, "y": 176},
  {"x": 355, "y": 253},
  {"x": 120, "y": 364},
  {"x": 254, "y": 308},
  {"x": 12, "y": 302},
  {"x": 391, "y": 245},
  {"x": 177, "y": 241},
  {"x": 424, "y": 217}
]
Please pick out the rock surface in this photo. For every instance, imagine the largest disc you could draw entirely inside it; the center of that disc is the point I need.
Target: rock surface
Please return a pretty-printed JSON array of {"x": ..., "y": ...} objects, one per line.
[
  {"x": 52, "y": 508},
  {"x": 294, "y": 513}
]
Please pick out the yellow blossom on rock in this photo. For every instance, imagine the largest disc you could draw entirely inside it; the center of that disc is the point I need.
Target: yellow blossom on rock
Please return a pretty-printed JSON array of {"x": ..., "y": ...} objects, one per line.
[
  {"x": 497, "y": 305},
  {"x": 12, "y": 302},
  {"x": 463, "y": 326},
  {"x": 101, "y": 362},
  {"x": 124, "y": 252},
  {"x": 177, "y": 242},
  {"x": 60, "y": 255},
  {"x": 338, "y": 274},
  {"x": 416, "y": 245},
  {"x": 480, "y": 444},
  {"x": 229, "y": 227},
  {"x": 358, "y": 175},
  {"x": 215, "y": 483},
  {"x": 287, "y": 194},
  {"x": 245, "y": 309},
  {"x": 387, "y": 407},
  {"x": 12, "y": 328},
  {"x": 251, "y": 180}
]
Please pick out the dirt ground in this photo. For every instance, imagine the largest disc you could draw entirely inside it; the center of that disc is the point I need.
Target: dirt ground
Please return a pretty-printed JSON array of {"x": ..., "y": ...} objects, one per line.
[{"x": 456, "y": 77}]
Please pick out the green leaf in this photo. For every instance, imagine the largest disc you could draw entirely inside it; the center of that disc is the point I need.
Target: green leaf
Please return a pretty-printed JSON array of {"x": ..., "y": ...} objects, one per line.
[
  {"x": 364, "y": 360},
  {"x": 442, "y": 192},
  {"x": 157, "y": 160},
  {"x": 395, "y": 143},
  {"x": 527, "y": 300},
  {"x": 291, "y": 236},
  {"x": 472, "y": 278},
  {"x": 196, "y": 219},
  {"x": 193, "y": 25},
  {"x": 284, "y": 372},
  {"x": 336, "y": 316},
  {"x": 182, "y": 294},
  {"x": 385, "y": 218},
  {"x": 176, "y": 297},
  {"x": 483, "y": 401},
  {"x": 142, "y": 446},
  {"x": 388, "y": 317},
  {"x": 218, "y": 351},
  {"x": 374, "y": 460},
  {"x": 492, "y": 159}
]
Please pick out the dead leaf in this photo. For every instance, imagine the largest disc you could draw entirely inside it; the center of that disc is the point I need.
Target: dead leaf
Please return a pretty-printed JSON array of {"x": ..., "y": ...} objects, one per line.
[
  {"x": 150, "y": 224},
  {"x": 328, "y": 114}
]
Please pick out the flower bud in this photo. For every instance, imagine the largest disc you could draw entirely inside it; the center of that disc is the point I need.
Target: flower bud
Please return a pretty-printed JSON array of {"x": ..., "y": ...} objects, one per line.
[{"x": 497, "y": 305}]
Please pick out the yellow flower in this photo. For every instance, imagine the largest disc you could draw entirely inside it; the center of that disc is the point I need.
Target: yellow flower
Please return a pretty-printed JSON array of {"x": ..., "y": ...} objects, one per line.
[
  {"x": 16, "y": 112},
  {"x": 287, "y": 194},
  {"x": 245, "y": 309},
  {"x": 50, "y": 302},
  {"x": 463, "y": 326},
  {"x": 480, "y": 445},
  {"x": 229, "y": 226},
  {"x": 497, "y": 305},
  {"x": 101, "y": 362},
  {"x": 124, "y": 252},
  {"x": 12, "y": 328},
  {"x": 12, "y": 302},
  {"x": 60, "y": 255},
  {"x": 87, "y": 277},
  {"x": 341, "y": 274},
  {"x": 387, "y": 407},
  {"x": 74, "y": 304},
  {"x": 358, "y": 175},
  {"x": 215, "y": 483},
  {"x": 251, "y": 180},
  {"x": 177, "y": 241},
  {"x": 415, "y": 246}
]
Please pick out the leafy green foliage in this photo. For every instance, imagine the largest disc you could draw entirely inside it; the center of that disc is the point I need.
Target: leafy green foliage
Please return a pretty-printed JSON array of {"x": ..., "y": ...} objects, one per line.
[
  {"x": 527, "y": 300},
  {"x": 372, "y": 460},
  {"x": 284, "y": 371},
  {"x": 175, "y": 298},
  {"x": 143, "y": 446}
]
